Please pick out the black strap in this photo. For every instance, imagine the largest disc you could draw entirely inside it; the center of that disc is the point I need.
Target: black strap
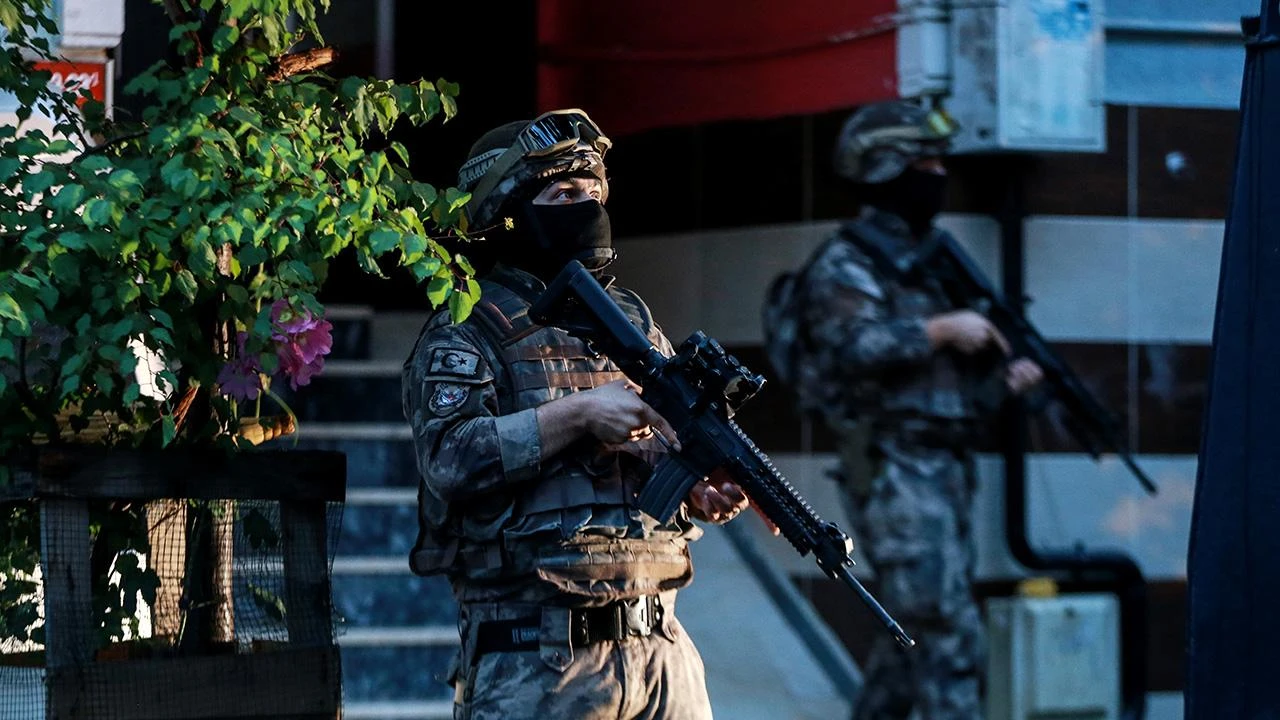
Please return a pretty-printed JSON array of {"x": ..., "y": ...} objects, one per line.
[{"x": 616, "y": 621}]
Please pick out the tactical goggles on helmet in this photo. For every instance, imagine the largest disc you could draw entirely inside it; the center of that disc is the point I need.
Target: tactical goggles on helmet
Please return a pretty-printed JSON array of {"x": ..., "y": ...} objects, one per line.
[
  {"x": 559, "y": 130},
  {"x": 547, "y": 135}
]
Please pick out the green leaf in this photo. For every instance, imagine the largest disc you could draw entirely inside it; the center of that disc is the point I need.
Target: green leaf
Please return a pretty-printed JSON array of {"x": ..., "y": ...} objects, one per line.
[
  {"x": 252, "y": 255},
  {"x": 104, "y": 381},
  {"x": 225, "y": 37},
  {"x": 162, "y": 317},
  {"x": 460, "y": 303},
  {"x": 238, "y": 294},
  {"x": 131, "y": 392},
  {"x": 94, "y": 163},
  {"x": 10, "y": 309},
  {"x": 38, "y": 182},
  {"x": 67, "y": 198},
  {"x": 72, "y": 241},
  {"x": 438, "y": 290},
  {"x": 203, "y": 260},
  {"x": 167, "y": 430},
  {"x": 464, "y": 265},
  {"x": 400, "y": 152},
  {"x": 426, "y": 192},
  {"x": 186, "y": 283},
  {"x": 97, "y": 212},
  {"x": 118, "y": 330},
  {"x": 383, "y": 240},
  {"x": 413, "y": 247},
  {"x": 124, "y": 179},
  {"x": 9, "y": 167},
  {"x": 456, "y": 198},
  {"x": 448, "y": 91}
]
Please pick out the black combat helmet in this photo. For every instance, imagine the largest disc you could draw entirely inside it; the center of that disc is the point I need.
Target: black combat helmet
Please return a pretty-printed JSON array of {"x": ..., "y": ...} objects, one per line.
[{"x": 879, "y": 141}]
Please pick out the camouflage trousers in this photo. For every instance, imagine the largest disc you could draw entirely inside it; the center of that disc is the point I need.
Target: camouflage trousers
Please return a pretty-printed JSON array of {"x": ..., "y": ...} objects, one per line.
[
  {"x": 914, "y": 527},
  {"x": 658, "y": 677}
]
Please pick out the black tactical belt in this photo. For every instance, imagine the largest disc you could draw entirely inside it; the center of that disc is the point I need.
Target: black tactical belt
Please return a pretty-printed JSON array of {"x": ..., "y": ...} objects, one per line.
[{"x": 616, "y": 621}]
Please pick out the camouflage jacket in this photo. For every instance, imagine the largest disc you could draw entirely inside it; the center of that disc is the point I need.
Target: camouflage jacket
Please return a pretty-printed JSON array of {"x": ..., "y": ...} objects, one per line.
[
  {"x": 495, "y": 516},
  {"x": 864, "y": 352}
]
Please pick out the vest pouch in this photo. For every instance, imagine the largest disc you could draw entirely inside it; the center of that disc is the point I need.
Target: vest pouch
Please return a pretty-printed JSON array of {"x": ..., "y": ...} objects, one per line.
[{"x": 615, "y": 570}]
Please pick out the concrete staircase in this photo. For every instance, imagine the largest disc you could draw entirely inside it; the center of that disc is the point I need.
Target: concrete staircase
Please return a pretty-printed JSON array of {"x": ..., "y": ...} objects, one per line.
[
  {"x": 398, "y": 631},
  {"x": 767, "y": 655}
]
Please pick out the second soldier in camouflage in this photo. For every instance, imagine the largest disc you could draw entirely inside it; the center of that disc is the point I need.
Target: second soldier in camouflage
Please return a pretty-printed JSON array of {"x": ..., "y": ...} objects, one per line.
[{"x": 886, "y": 362}]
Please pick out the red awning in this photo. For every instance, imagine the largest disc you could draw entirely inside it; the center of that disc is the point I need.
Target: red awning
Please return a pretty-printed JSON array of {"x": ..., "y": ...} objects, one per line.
[{"x": 636, "y": 65}]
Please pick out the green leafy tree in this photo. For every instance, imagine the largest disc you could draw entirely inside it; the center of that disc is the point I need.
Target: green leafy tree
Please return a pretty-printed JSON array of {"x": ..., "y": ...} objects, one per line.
[
  {"x": 202, "y": 229},
  {"x": 196, "y": 234}
]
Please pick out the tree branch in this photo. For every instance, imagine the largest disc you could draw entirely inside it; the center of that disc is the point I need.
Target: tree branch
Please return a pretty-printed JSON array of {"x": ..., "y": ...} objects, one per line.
[
  {"x": 100, "y": 147},
  {"x": 300, "y": 62},
  {"x": 180, "y": 15}
]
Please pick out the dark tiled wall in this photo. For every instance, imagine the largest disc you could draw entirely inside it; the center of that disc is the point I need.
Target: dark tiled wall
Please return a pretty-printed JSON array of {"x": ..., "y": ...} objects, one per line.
[{"x": 740, "y": 173}]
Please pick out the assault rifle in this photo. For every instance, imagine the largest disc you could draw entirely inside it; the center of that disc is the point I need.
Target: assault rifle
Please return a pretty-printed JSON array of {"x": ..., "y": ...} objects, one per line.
[
  {"x": 940, "y": 258},
  {"x": 697, "y": 391}
]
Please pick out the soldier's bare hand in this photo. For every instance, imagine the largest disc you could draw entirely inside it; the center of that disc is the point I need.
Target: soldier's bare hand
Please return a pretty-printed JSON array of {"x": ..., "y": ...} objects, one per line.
[
  {"x": 614, "y": 413},
  {"x": 1022, "y": 375},
  {"x": 966, "y": 331},
  {"x": 717, "y": 499}
]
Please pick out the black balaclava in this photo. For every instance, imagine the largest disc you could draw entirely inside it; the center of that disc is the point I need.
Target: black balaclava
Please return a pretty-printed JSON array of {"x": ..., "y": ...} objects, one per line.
[
  {"x": 915, "y": 196},
  {"x": 546, "y": 237}
]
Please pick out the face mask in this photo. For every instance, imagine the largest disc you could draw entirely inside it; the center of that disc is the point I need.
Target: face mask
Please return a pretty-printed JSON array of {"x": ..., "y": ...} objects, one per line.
[
  {"x": 546, "y": 237},
  {"x": 915, "y": 196}
]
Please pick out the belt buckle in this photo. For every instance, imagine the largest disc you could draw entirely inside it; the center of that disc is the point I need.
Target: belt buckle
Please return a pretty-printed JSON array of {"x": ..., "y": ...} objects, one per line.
[{"x": 636, "y": 616}]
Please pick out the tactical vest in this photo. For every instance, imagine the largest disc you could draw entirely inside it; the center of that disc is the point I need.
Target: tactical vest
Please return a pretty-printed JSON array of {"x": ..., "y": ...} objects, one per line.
[
  {"x": 574, "y": 527},
  {"x": 937, "y": 392}
]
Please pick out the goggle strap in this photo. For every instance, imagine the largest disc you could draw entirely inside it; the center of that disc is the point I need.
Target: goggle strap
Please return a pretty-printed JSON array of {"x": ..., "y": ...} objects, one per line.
[{"x": 496, "y": 172}]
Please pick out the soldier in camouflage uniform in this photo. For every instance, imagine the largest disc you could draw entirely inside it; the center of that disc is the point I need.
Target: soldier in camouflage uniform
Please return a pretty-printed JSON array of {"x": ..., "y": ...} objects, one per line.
[
  {"x": 886, "y": 363},
  {"x": 531, "y": 448}
]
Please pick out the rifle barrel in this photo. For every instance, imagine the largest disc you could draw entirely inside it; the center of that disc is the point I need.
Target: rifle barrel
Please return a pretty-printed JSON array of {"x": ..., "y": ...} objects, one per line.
[{"x": 877, "y": 609}]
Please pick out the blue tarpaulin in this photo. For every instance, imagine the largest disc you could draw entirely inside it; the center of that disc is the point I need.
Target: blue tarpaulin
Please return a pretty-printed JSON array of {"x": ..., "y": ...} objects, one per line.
[{"x": 1233, "y": 565}]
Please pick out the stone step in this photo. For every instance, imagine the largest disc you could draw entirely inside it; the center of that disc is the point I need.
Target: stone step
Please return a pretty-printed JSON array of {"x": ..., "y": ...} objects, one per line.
[
  {"x": 393, "y": 600},
  {"x": 352, "y": 331},
  {"x": 396, "y": 673},
  {"x": 379, "y": 529},
  {"x": 348, "y": 391},
  {"x": 378, "y": 456},
  {"x": 406, "y": 710}
]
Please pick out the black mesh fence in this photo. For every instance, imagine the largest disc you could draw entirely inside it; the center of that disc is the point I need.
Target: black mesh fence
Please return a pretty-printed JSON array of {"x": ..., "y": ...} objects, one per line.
[{"x": 167, "y": 608}]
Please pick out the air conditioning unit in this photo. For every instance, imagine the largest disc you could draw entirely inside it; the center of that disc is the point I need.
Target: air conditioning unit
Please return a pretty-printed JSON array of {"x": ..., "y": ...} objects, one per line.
[
  {"x": 1053, "y": 658},
  {"x": 1018, "y": 75}
]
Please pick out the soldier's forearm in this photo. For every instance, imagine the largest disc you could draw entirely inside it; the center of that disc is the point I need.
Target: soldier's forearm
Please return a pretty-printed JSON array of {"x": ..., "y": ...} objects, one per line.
[
  {"x": 561, "y": 422},
  {"x": 938, "y": 330}
]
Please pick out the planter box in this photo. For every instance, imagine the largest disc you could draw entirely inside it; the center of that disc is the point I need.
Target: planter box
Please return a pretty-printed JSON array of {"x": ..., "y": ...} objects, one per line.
[{"x": 277, "y": 658}]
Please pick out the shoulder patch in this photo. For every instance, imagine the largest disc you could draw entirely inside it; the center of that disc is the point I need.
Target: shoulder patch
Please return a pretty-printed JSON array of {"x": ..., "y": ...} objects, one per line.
[
  {"x": 446, "y": 397},
  {"x": 454, "y": 361}
]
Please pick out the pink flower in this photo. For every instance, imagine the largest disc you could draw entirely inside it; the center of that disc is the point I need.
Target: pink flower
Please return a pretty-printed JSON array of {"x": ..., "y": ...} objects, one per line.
[
  {"x": 240, "y": 378},
  {"x": 288, "y": 321},
  {"x": 302, "y": 341},
  {"x": 316, "y": 342}
]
